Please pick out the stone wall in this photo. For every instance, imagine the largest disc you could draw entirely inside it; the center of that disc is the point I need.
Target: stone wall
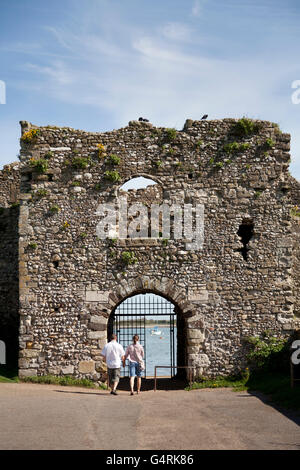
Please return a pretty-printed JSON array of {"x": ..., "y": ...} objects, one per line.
[
  {"x": 71, "y": 281},
  {"x": 295, "y": 213},
  {"x": 9, "y": 288}
]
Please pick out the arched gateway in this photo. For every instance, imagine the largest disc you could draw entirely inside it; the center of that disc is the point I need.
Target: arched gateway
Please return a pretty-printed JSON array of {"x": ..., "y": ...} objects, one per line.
[
  {"x": 218, "y": 236},
  {"x": 132, "y": 311}
]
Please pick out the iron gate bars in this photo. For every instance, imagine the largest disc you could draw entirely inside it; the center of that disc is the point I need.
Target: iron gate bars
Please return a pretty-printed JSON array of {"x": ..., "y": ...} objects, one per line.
[{"x": 130, "y": 318}]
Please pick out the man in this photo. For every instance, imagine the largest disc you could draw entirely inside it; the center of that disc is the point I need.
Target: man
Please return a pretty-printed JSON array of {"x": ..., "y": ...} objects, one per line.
[{"x": 113, "y": 354}]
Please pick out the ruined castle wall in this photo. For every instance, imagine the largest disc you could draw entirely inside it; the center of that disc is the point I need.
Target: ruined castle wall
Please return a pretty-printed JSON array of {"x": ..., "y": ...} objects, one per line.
[
  {"x": 294, "y": 187},
  {"x": 71, "y": 280},
  {"x": 9, "y": 283}
]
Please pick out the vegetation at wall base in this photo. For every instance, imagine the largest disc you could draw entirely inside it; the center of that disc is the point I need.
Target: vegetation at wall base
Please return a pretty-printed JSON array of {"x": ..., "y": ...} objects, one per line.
[
  {"x": 277, "y": 387},
  {"x": 64, "y": 381},
  {"x": 269, "y": 358}
]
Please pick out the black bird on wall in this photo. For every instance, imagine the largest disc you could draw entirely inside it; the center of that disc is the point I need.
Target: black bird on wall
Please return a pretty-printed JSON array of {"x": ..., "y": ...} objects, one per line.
[
  {"x": 143, "y": 120},
  {"x": 204, "y": 117}
]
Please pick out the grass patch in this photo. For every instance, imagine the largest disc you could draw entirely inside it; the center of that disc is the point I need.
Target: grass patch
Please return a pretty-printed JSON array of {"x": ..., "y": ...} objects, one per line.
[
  {"x": 64, "y": 381},
  {"x": 236, "y": 383},
  {"x": 276, "y": 386}
]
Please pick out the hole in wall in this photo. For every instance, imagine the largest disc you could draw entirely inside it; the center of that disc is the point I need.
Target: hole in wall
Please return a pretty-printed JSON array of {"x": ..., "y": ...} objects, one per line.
[
  {"x": 56, "y": 264},
  {"x": 245, "y": 232}
]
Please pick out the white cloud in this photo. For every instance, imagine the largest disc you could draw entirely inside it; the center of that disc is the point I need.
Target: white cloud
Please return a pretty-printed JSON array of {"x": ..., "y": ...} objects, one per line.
[
  {"x": 129, "y": 72},
  {"x": 176, "y": 31},
  {"x": 196, "y": 10}
]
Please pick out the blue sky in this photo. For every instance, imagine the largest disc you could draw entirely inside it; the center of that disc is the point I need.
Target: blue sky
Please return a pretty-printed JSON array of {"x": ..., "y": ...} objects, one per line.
[{"x": 96, "y": 64}]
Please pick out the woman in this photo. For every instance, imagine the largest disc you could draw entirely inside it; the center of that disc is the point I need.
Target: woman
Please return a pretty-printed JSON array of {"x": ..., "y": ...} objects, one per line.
[{"x": 135, "y": 354}]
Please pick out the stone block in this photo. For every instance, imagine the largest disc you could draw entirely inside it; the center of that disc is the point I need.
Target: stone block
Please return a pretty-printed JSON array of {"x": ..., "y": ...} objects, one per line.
[
  {"x": 97, "y": 335},
  {"x": 29, "y": 353},
  {"x": 86, "y": 367},
  {"x": 198, "y": 296},
  {"x": 98, "y": 323},
  {"x": 195, "y": 334},
  {"x": 68, "y": 370},
  {"x": 96, "y": 296},
  {"x": 27, "y": 373}
]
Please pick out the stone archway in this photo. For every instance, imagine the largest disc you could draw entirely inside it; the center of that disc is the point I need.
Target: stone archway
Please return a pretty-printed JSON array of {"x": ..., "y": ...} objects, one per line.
[{"x": 191, "y": 325}]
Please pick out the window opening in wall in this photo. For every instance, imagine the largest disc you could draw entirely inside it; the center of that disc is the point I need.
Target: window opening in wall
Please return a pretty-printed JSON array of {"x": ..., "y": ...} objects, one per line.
[
  {"x": 137, "y": 183},
  {"x": 245, "y": 232}
]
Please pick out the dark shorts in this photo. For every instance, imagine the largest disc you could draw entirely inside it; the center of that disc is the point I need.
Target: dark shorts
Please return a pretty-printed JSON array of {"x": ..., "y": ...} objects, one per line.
[
  {"x": 113, "y": 375},
  {"x": 135, "y": 369}
]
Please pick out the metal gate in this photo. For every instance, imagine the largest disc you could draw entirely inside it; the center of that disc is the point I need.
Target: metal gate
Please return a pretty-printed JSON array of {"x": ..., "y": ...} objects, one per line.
[{"x": 134, "y": 315}]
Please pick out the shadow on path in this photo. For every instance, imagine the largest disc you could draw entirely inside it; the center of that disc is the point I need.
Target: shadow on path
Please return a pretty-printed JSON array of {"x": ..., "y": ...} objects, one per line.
[{"x": 163, "y": 383}]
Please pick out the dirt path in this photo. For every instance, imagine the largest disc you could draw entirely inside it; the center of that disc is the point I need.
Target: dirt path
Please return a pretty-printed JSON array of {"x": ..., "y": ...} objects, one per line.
[{"x": 52, "y": 417}]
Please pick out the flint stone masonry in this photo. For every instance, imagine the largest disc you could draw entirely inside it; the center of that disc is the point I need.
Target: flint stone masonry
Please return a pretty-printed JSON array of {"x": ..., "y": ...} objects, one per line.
[{"x": 60, "y": 283}]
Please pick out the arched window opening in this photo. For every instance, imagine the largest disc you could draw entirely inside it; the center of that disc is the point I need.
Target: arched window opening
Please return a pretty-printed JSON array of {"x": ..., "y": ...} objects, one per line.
[{"x": 138, "y": 183}]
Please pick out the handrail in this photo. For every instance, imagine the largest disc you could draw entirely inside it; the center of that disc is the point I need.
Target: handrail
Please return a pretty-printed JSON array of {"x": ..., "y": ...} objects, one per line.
[{"x": 173, "y": 367}]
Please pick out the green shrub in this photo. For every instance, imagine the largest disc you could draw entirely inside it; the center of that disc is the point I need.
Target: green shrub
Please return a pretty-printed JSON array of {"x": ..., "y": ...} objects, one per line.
[
  {"x": 128, "y": 257},
  {"x": 245, "y": 127},
  {"x": 41, "y": 165},
  {"x": 112, "y": 176},
  {"x": 54, "y": 209},
  {"x": 235, "y": 147},
  {"x": 268, "y": 353},
  {"x": 40, "y": 193},
  {"x": 114, "y": 160},
  {"x": 80, "y": 163},
  {"x": 269, "y": 143},
  {"x": 170, "y": 134},
  {"x": 32, "y": 246},
  {"x": 48, "y": 155},
  {"x": 295, "y": 211},
  {"x": 76, "y": 183}
]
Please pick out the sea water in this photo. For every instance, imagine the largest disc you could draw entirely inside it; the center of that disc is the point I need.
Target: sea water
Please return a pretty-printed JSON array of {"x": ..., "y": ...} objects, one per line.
[{"x": 157, "y": 350}]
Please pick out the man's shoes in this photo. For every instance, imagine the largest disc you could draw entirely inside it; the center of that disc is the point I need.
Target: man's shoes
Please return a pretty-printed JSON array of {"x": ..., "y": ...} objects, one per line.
[
  {"x": 113, "y": 392},
  {"x": 131, "y": 393}
]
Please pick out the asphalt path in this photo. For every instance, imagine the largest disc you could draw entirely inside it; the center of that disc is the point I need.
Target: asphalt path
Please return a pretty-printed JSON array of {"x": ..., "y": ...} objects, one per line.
[{"x": 52, "y": 417}]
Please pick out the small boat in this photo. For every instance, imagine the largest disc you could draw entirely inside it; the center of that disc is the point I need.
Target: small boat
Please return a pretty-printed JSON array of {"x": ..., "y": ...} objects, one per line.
[{"x": 156, "y": 331}]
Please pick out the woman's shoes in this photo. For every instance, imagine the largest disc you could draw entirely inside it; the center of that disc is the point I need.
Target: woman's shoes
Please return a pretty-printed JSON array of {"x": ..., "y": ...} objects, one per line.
[{"x": 131, "y": 393}]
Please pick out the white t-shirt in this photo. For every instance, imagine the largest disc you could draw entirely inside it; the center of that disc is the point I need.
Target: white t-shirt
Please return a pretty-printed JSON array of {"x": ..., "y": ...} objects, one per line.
[{"x": 113, "y": 353}]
